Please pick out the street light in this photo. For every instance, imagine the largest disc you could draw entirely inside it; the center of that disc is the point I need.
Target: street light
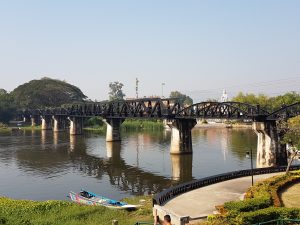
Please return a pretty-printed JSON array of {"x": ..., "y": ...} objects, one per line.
[
  {"x": 250, "y": 155},
  {"x": 162, "y": 89}
]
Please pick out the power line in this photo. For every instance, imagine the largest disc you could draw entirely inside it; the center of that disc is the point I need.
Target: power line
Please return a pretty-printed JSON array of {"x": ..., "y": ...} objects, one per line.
[{"x": 280, "y": 82}]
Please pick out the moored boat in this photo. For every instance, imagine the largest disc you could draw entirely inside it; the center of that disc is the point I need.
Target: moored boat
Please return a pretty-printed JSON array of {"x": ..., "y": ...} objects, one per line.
[{"x": 88, "y": 198}]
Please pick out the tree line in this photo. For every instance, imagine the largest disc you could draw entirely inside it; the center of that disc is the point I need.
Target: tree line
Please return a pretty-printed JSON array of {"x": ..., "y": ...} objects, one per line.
[{"x": 270, "y": 103}]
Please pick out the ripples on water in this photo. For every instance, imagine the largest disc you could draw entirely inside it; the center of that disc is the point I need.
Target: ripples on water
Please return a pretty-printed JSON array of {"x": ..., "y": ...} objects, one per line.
[{"x": 42, "y": 165}]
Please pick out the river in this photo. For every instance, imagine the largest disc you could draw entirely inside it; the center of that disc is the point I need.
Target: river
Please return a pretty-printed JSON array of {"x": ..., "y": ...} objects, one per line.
[{"x": 40, "y": 165}]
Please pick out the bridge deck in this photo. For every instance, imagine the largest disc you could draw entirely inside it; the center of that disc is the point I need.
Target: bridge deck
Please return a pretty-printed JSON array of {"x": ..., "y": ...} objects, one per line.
[{"x": 201, "y": 202}]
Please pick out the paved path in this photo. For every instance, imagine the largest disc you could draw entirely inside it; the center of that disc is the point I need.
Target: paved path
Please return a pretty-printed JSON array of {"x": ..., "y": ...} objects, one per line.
[{"x": 201, "y": 202}]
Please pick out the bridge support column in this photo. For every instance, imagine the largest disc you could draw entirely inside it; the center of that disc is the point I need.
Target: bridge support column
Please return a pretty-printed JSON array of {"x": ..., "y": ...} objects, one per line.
[
  {"x": 46, "y": 122},
  {"x": 59, "y": 123},
  {"x": 181, "y": 139},
  {"x": 35, "y": 120},
  {"x": 113, "y": 130},
  {"x": 26, "y": 119},
  {"x": 76, "y": 125},
  {"x": 270, "y": 151}
]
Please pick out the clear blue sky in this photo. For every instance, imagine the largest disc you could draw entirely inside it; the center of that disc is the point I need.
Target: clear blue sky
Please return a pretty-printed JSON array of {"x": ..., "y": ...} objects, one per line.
[{"x": 190, "y": 45}]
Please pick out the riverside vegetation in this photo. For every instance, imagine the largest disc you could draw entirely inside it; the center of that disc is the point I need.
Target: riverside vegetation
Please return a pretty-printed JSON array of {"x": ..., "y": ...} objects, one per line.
[{"x": 26, "y": 212}]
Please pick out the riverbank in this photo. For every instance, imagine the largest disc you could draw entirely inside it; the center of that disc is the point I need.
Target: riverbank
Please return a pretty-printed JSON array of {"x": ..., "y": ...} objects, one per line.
[
  {"x": 129, "y": 124},
  {"x": 28, "y": 212},
  {"x": 224, "y": 125}
]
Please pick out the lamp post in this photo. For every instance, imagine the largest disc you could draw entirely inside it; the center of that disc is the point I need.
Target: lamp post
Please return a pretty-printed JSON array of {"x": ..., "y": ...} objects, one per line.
[
  {"x": 250, "y": 155},
  {"x": 162, "y": 89}
]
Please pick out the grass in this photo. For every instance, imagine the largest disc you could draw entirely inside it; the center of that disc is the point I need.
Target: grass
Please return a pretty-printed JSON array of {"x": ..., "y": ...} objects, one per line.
[
  {"x": 291, "y": 196},
  {"x": 26, "y": 212},
  {"x": 96, "y": 128},
  {"x": 5, "y": 129},
  {"x": 31, "y": 128},
  {"x": 142, "y": 125}
]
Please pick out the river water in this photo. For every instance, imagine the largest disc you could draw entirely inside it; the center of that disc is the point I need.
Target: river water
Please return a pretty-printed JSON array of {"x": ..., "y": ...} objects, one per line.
[{"x": 40, "y": 165}]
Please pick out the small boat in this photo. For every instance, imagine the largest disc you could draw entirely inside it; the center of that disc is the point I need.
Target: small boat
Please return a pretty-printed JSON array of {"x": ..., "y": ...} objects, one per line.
[{"x": 89, "y": 198}]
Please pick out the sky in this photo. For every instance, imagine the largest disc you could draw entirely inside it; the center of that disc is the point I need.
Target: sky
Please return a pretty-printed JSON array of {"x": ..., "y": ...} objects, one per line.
[{"x": 197, "y": 47}]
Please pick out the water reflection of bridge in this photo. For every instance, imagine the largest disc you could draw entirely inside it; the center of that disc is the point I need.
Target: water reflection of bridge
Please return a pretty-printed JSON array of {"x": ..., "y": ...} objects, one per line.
[
  {"x": 58, "y": 156},
  {"x": 126, "y": 177}
]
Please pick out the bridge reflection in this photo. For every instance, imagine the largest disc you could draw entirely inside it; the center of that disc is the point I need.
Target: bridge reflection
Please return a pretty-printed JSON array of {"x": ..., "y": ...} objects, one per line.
[
  {"x": 49, "y": 154},
  {"x": 126, "y": 177}
]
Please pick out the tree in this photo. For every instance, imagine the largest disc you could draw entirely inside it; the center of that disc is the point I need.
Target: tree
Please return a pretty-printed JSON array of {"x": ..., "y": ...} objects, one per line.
[
  {"x": 2, "y": 91},
  {"x": 46, "y": 92},
  {"x": 116, "y": 92},
  {"x": 292, "y": 138},
  {"x": 183, "y": 99},
  {"x": 269, "y": 103},
  {"x": 7, "y": 107}
]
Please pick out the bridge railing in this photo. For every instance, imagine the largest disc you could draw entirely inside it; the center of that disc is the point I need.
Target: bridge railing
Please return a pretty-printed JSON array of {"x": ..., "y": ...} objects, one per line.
[{"x": 170, "y": 193}]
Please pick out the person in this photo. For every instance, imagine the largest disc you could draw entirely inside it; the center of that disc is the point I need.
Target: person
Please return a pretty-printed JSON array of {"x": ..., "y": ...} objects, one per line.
[{"x": 167, "y": 219}]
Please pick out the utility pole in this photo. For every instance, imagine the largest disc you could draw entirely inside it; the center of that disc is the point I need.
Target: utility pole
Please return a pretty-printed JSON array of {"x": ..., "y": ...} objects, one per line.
[
  {"x": 162, "y": 89},
  {"x": 250, "y": 155},
  {"x": 137, "y": 87}
]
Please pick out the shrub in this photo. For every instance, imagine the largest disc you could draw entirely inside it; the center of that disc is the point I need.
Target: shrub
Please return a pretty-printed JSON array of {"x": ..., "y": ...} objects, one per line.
[
  {"x": 248, "y": 204},
  {"x": 94, "y": 122},
  {"x": 262, "y": 203},
  {"x": 271, "y": 213},
  {"x": 143, "y": 125},
  {"x": 3, "y": 126}
]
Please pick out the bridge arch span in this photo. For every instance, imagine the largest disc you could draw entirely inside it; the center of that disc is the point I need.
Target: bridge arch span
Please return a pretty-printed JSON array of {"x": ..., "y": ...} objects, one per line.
[
  {"x": 221, "y": 110},
  {"x": 285, "y": 112}
]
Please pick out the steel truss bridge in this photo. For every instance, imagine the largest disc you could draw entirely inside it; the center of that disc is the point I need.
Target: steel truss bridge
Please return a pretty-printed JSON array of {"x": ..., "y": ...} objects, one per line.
[{"x": 156, "y": 108}]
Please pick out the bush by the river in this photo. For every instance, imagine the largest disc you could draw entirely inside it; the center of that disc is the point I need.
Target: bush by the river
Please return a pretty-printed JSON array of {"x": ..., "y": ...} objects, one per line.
[{"x": 143, "y": 125}]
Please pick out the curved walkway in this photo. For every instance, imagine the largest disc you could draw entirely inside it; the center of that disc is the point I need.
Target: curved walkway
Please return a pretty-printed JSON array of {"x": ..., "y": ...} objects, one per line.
[{"x": 200, "y": 203}]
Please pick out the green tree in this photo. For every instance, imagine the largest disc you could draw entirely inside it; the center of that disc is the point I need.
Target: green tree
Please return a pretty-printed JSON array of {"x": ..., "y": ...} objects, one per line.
[
  {"x": 2, "y": 91},
  {"x": 292, "y": 137},
  {"x": 183, "y": 99},
  {"x": 269, "y": 103},
  {"x": 46, "y": 92},
  {"x": 7, "y": 107},
  {"x": 116, "y": 92}
]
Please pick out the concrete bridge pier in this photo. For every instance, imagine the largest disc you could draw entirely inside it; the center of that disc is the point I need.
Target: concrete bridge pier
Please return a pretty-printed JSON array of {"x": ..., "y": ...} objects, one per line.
[
  {"x": 59, "y": 123},
  {"x": 76, "y": 125},
  {"x": 26, "y": 119},
  {"x": 270, "y": 151},
  {"x": 113, "y": 130},
  {"x": 35, "y": 120},
  {"x": 46, "y": 122},
  {"x": 181, "y": 139}
]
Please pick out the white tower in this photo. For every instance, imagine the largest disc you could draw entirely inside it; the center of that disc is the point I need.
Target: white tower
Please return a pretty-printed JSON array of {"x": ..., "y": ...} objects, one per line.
[
  {"x": 224, "y": 97},
  {"x": 137, "y": 88}
]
